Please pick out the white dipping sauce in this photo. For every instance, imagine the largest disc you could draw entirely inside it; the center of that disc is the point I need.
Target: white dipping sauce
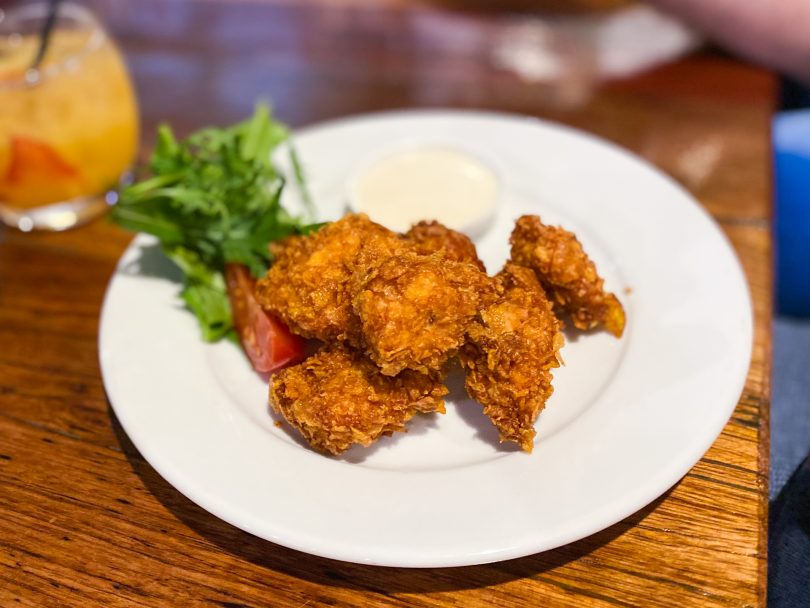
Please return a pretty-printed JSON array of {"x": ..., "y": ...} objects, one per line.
[{"x": 430, "y": 183}]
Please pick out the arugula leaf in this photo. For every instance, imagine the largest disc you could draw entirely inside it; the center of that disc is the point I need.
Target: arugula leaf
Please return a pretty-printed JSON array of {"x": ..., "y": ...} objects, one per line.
[
  {"x": 215, "y": 198},
  {"x": 204, "y": 293}
]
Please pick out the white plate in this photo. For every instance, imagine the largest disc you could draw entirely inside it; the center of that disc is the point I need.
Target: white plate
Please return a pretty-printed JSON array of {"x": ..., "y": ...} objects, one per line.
[{"x": 627, "y": 420}]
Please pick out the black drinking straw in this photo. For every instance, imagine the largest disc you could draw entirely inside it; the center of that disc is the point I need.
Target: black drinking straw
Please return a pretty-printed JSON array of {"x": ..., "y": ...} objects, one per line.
[{"x": 45, "y": 34}]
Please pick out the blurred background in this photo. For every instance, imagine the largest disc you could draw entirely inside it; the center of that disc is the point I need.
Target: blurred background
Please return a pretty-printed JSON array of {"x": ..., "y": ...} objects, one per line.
[
  {"x": 514, "y": 54},
  {"x": 197, "y": 62}
]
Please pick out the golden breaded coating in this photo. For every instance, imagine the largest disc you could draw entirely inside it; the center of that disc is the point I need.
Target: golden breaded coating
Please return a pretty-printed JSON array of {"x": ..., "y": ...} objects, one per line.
[
  {"x": 567, "y": 274},
  {"x": 511, "y": 350},
  {"x": 338, "y": 398},
  {"x": 307, "y": 285},
  {"x": 430, "y": 237},
  {"x": 414, "y": 309}
]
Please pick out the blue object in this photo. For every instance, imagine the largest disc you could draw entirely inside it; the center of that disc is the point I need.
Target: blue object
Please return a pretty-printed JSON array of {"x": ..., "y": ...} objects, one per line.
[
  {"x": 789, "y": 533},
  {"x": 791, "y": 139}
]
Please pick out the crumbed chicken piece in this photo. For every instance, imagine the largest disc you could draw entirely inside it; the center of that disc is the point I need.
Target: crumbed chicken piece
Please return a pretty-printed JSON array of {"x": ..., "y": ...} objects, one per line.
[
  {"x": 338, "y": 398},
  {"x": 430, "y": 237},
  {"x": 307, "y": 285},
  {"x": 414, "y": 310},
  {"x": 567, "y": 274},
  {"x": 512, "y": 348}
]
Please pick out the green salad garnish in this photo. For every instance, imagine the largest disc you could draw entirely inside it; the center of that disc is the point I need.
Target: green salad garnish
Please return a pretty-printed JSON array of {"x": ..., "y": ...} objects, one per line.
[{"x": 215, "y": 198}]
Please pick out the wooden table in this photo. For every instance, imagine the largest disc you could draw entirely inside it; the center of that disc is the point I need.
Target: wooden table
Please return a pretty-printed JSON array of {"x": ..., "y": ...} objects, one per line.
[{"x": 84, "y": 520}]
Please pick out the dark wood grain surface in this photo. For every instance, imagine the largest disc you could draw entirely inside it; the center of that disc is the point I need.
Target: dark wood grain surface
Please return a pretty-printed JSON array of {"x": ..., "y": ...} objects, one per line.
[{"x": 85, "y": 521}]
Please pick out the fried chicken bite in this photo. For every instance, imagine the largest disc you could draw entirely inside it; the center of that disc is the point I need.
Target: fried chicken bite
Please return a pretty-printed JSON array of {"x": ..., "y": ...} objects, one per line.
[
  {"x": 430, "y": 237},
  {"x": 307, "y": 285},
  {"x": 338, "y": 398},
  {"x": 414, "y": 309},
  {"x": 567, "y": 274},
  {"x": 512, "y": 348}
]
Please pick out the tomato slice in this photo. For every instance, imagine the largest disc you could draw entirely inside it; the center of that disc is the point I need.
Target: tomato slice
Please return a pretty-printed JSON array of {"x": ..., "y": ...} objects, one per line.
[{"x": 268, "y": 342}]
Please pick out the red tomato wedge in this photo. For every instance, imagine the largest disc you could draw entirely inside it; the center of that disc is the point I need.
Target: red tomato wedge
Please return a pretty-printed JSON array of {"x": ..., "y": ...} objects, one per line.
[{"x": 267, "y": 342}]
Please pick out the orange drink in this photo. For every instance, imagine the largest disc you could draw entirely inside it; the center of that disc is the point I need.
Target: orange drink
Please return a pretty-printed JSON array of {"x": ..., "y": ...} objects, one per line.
[{"x": 69, "y": 128}]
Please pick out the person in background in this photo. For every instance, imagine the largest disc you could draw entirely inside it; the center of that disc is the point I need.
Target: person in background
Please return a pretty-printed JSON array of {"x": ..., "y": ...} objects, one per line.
[{"x": 771, "y": 32}]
